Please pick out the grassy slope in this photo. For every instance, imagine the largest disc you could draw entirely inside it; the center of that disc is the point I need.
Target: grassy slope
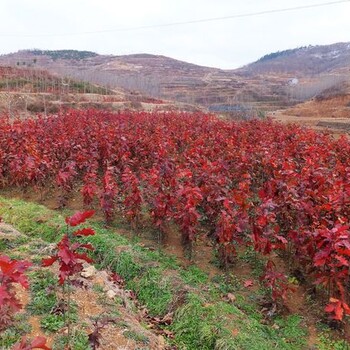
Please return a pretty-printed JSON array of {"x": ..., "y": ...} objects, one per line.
[{"x": 202, "y": 319}]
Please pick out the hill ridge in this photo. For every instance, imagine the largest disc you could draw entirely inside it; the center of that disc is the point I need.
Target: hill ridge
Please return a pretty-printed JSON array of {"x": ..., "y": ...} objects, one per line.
[{"x": 279, "y": 80}]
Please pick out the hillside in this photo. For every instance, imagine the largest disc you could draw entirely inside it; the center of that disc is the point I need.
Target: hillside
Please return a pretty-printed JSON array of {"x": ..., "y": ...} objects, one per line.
[
  {"x": 331, "y": 103},
  {"x": 25, "y": 90},
  {"x": 329, "y": 110},
  {"x": 277, "y": 80},
  {"x": 166, "y": 78},
  {"x": 303, "y": 61},
  {"x": 28, "y": 79}
]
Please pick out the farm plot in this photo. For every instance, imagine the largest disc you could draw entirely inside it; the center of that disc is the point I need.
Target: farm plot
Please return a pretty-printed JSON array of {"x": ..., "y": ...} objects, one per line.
[{"x": 282, "y": 190}]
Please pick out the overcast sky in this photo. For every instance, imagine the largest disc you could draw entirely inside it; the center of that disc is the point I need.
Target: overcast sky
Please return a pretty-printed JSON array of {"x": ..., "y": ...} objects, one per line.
[{"x": 226, "y": 43}]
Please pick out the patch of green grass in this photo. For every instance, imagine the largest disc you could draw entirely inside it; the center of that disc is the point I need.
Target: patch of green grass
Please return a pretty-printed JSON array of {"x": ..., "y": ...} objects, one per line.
[
  {"x": 199, "y": 324},
  {"x": 156, "y": 256},
  {"x": 109, "y": 255},
  {"x": 153, "y": 290},
  {"x": 32, "y": 219},
  {"x": 79, "y": 341},
  {"x": 126, "y": 266},
  {"x": 19, "y": 241},
  {"x": 41, "y": 303},
  {"x": 291, "y": 328},
  {"x": 140, "y": 338},
  {"x": 38, "y": 246},
  {"x": 43, "y": 296},
  {"x": 97, "y": 288},
  {"x": 13, "y": 334},
  {"x": 55, "y": 321},
  {"x": 250, "y": 256},
  {"x": 36, "y": 259},
  {"x": 248, "y": 306},
  {"x": 9, "y": 337},
  {"x": 195, "y": 325},
  {"x": 7, "y": 244},
  {"x": 226, "y": 283},
  {"x": 52, "y": 323},
  {"x": 325, "y": 342},
  {"x": 22, "y": 249},
  {"x": 21, "y": 323},
  {"x": 115, "y": 252},
  {"x": 202, "y": 319},
  {"x": 4, "y": 244},
  {"x": 194, "y": 276}
]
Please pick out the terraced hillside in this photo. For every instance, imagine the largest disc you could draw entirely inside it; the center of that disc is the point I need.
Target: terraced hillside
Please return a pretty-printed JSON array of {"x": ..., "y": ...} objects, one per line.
[{"x": 275, "y": 81}]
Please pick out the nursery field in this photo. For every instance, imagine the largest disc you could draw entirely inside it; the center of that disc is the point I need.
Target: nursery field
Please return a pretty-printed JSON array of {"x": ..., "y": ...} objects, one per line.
[{"x": 264, "y": 208}]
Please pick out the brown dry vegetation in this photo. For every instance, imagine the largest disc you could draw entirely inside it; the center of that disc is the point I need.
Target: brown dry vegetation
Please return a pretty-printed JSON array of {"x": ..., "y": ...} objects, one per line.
[
  {"x": 328, "y": 111},
  {"x": 263, "y": 85}
]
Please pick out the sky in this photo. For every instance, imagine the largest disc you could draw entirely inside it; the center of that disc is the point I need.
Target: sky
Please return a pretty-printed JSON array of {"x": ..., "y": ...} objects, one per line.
[{"x": 138, "y": 26}]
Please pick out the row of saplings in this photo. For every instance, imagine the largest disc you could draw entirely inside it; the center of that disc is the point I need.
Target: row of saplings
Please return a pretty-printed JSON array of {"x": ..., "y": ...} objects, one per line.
[{"x": 70, "y": 255}]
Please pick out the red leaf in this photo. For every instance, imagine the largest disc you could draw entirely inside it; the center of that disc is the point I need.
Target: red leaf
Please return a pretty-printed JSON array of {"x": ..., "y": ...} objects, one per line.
[
  {"x": 48, "y": 261},
  {"x": 262, "y": 221},
  {"x": 281, "y": 239},
  {"x": 336, "y": 307},
  {"x": 39, "y": 343},
  {"x": 22, "y": 345},
  {"x": 84, "y": 257},
  {"x": 346, "y": 308},
  {"x": 248, "y": 283},
  {"x": 116, "y": 278},
  {"x": 65, "y": 254},
  {"x": 79, "y": 217},
  {"x": 344, "y": 251},
  {"x": 87, "y": 246},
  {"x": 342, "y": 260},
  {"x": 4, "y": 295},
  {"x": 339, "y": 312},
  {"x": 329, "y": 308},
  {"x": 84, "y": 232}
]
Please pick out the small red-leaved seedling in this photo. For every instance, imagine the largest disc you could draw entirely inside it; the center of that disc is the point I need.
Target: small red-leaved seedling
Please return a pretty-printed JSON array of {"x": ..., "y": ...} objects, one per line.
[
  {"x": 36, "y": 343},
  {"x": 337, "y": 309},
  {"x": 277, "y": 282},
  {"x": 11, "y": 271},
  {"x": 69, "y": 254}
]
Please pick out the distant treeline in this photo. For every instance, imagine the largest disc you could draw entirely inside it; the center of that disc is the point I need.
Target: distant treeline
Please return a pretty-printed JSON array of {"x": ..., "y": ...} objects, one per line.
[
  {"x": 273, "y": 55},
  {"x": 64, "y": 54}
]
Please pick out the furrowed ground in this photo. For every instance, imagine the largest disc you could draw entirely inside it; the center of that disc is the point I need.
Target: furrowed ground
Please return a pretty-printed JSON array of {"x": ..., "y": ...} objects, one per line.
[{"x": 262, "y": 208}]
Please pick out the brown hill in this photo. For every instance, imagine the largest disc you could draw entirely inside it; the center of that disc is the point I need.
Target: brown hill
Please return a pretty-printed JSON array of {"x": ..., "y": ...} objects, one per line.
[
  {"x": 303, "y": 61},
  {"x": 164, "y": 78},
  {"x": 27, "y": 90},
  {"x": 331, "y": 103},
  {"x": 329, "y": 110},
  {"x": 277, "y": 80}
]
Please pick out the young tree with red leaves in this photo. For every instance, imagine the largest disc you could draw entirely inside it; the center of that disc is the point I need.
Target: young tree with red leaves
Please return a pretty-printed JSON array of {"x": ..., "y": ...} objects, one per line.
[{"x": 70, "y": 254}]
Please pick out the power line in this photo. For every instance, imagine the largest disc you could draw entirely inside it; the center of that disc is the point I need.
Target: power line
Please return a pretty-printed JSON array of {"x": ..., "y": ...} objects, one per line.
[{"x": 196, "y": 21}]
